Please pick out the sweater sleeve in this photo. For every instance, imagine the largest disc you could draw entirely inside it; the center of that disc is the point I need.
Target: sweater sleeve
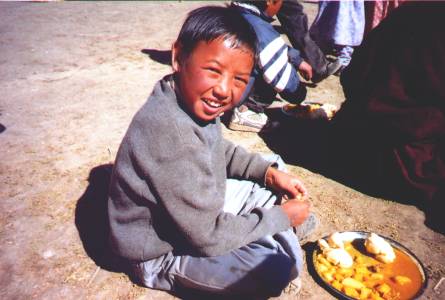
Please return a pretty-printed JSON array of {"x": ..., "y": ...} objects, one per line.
[
  {"x": 244, "y": 165},
  {"x": 276, "y": 60},
  {"x": 183, "y": 179}
]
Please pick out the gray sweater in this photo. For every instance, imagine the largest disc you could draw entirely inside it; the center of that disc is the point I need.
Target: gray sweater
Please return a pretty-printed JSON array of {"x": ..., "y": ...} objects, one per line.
[{"x": 168, "y": 185}]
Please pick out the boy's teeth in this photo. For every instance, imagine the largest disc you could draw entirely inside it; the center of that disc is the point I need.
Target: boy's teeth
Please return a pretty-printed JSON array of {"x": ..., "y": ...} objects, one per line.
[{"x": 213, "y": 103}]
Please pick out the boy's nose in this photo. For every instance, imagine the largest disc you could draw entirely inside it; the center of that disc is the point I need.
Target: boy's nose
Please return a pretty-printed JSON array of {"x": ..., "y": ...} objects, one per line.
[{"x": 222, "y": 88}]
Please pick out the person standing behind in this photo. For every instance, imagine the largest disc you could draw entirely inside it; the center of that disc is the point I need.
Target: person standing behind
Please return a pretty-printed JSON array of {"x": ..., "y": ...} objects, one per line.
[
  {"x": 294, "y": 23},
  {"x": 275, "y": 72},
  {"x": 339, "y": 27}
]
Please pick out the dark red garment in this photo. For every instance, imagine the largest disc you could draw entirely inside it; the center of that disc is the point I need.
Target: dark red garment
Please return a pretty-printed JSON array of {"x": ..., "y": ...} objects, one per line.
[
  {"x": 395, "y": 100},
  {"x": 377, "y": 10}
]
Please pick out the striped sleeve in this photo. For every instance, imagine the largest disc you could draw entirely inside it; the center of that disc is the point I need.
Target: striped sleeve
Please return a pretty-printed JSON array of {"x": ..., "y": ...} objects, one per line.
[{"x": 276, "y": 68}]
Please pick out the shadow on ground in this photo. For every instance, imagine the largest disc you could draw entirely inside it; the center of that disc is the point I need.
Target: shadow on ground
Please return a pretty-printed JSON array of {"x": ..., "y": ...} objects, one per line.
[
  {"x": 320, "y": 147},
  {"x": 92, "y": 220},
  {"x": 161, "y": 56}
]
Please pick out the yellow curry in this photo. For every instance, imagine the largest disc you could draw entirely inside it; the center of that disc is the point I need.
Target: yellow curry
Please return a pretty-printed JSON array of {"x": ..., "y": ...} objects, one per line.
[{"x": 369, "y": 278}]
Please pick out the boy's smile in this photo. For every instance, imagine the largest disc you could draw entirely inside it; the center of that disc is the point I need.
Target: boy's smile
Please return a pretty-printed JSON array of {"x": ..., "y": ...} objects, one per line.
[{"x": 213, "y": 77}]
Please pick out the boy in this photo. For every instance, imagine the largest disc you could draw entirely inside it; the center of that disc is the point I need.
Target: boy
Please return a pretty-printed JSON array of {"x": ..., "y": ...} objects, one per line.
[
  {"x": 275, "y": 71},
  {"x": 173, "y": 213}
]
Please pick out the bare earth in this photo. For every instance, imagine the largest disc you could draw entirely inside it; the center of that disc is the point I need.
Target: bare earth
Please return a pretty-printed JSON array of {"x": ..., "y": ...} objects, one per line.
[{"x": 72, "y": 75}]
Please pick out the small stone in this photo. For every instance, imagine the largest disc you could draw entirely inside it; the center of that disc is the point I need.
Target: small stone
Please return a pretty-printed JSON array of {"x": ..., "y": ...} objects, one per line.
[{"x": 48, "y": 254}]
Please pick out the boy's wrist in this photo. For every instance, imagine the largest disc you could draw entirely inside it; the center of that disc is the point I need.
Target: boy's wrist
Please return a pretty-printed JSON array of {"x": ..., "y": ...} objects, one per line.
[{"x": 269, "y": 180}]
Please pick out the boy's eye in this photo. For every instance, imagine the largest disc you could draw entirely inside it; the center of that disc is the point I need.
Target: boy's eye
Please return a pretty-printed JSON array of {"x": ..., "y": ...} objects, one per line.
[
  {"x": 214, "y": 70},
  {"x": 241, "y": 79}
]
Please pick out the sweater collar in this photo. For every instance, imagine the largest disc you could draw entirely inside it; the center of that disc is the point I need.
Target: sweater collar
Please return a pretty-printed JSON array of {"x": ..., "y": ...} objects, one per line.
[
  {"x": 169, "y": 85},
  {"x": 255, "y": 10}
]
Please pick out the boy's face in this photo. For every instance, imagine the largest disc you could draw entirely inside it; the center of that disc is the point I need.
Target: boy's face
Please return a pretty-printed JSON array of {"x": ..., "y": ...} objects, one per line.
[
  {"x": 273, "y": 7},
  {"x": 213, "y": 77}
]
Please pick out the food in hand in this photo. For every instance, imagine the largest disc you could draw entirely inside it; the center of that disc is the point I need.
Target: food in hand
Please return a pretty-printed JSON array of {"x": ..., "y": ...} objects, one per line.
[{"x": 380, "y": 248}]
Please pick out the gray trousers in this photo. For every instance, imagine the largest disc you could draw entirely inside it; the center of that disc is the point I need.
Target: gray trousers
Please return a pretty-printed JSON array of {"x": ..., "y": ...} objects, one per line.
[{"x": 261, "y": 268}]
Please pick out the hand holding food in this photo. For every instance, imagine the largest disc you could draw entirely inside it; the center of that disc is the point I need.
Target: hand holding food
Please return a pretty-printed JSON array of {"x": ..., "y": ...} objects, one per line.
[
  {"x": 296, "y": 210},
  {"x": 286, "y": 184}
]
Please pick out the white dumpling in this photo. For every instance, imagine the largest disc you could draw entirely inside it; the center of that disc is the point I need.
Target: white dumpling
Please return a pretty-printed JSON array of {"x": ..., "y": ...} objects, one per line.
[
  {"x": 335, "y": 240},
  {"x": 382, "y": 249},
  {"x": 337, "y": 256}
]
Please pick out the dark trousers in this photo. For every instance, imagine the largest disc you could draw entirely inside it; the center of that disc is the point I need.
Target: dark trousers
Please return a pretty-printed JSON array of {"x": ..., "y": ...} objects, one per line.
[
  {"x": 262, "y": 95},
  {"x": 294, "y": 24}
]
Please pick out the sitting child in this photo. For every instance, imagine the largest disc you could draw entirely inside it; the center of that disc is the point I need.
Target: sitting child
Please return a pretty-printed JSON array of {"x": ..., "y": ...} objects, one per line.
[
  {"x": 173, "y": 212},
  {"x": 275, "y": 71}
]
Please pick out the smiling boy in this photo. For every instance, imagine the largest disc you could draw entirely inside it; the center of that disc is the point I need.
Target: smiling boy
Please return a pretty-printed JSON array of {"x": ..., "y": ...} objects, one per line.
[{"x": 174, "y": 214}]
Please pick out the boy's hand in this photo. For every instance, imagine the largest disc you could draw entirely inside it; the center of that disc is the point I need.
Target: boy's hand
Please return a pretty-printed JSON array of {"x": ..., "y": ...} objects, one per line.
[
  {"x": 296, "y": 210},
  {"x": 287, "y": 184},
  {"x": 305, "y": 70}
]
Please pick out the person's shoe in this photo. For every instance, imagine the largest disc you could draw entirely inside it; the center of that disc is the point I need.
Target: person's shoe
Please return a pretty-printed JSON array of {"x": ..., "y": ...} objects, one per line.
[
  {"x": 243, "y": 119},
  {"x": 304, "y": 230},
  {"x": 331, "y": 68},
  {"x": 340, "y": 70}
]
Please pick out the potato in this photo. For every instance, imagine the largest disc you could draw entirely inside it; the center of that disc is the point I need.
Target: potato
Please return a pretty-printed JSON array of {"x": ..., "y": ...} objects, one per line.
[
  {"x": 383, "y": 288},
  {"x": 362, "y": 270},
  {"x": 328, "y": 276},
  {"x": 371, "y": 283},
  {"x": 358, "y": 259},
  {"x": 345, "y": 272},
  {"x": 322, "y": 268},
  {"x": 336, "y": 284},
  {"x": 351, "y": 292},
  {"x": 352, "y": 283},
  {"x": 358, "y": 277},
  {"x": 376, "y": 276},
  {"x": 338, "y": 276},
  {"x": 399, "y": 279},
  {"x": 365, "y": 293},
  {"x": 376, "y": 296},
  {"x": 324, "y": 261}
]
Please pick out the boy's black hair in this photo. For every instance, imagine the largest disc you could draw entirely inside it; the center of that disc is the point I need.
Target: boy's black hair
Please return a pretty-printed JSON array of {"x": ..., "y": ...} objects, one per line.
[{"x": 211, "y": 22}]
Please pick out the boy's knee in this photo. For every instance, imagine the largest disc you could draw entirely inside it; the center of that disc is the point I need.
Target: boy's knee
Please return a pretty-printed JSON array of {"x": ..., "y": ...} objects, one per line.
[
  {"x": 277, "y": 271},
  {"x": 297, "y": 96}
]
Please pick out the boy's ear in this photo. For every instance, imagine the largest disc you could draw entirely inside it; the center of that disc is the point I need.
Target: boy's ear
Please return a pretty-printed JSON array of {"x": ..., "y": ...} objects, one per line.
[{"x": 176, "y": 54}]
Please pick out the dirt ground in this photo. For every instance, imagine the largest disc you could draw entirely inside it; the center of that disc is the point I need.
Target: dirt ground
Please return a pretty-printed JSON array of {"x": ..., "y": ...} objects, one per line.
[{"x": 72, "y": 75}]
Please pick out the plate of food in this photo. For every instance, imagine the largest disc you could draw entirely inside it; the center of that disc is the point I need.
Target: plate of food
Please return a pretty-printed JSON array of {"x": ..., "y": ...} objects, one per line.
[
  {"x": 364, "y": 265},
  {"x": 310, "y": 110}
]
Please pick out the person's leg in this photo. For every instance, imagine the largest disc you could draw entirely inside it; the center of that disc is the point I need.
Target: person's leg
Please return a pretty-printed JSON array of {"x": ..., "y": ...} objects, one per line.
[
  {"x": 294, "y": 23},
  {"x": 263, "y": 267},
  {"x": 297, "y": 96},
  {"x": 344, "y": 54},
  {"x": 242, "y": 196}
]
